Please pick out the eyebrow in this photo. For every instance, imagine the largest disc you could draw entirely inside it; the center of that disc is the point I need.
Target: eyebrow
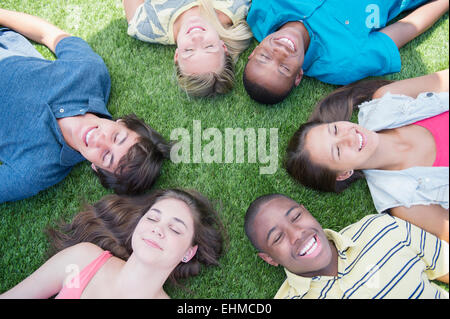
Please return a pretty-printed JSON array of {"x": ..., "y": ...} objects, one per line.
[
  {"x": 329, "y": 132},
  {"x": 180, "y": 221},
  {"x": 290, "y": 210},
  {"x": 275, "y": 227},
  {"x": 192, "y": 54},
  {"x": 174, "y": 218}
]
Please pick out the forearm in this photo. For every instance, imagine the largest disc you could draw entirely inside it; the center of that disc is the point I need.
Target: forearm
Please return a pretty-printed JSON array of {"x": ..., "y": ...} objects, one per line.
[
  {"x": 443, "y": 279},
  {"x": 34, "y": 28},
  {"x": 435, "y": 82},
  {"x": 130, "y": 7},
  {"x": 417, "y": 22}
]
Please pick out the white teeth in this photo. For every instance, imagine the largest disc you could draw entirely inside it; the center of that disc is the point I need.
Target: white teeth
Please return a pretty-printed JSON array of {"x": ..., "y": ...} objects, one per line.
[
  {"x": 196, "y": 29},
  {"x": 360, "y": 141},
  {"x": 288, "y": 42},
  {"x": 309, "y": 247}
]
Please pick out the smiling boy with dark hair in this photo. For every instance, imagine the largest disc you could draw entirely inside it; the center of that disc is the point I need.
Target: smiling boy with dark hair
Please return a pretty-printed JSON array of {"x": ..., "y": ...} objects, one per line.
[
  {"x": 55, "y": 116},
  {"x": 378, "y": 257},
  {"x": 334, "y": 41}
]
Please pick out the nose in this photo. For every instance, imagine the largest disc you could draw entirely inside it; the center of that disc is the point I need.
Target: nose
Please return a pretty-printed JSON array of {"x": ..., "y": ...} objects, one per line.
[
  {"x": 347, "y": 138},
  {"x": 158, "y": 231},
  {"x": 293, "y": 234},
  {"x": 100, "y": 140},
  {"x": 197, "y": 37},
  {"x": 280, "y": 49}
]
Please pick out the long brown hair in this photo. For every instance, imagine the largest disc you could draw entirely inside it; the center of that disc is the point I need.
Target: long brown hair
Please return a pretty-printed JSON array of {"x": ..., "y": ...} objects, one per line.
[
  {"x": 337, "y": 106},
  {"x": 110, "y": 223}
]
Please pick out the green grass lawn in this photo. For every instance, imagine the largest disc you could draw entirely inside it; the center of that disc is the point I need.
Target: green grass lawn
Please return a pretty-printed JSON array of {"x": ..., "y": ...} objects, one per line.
[{"x": 143, "y": 82}]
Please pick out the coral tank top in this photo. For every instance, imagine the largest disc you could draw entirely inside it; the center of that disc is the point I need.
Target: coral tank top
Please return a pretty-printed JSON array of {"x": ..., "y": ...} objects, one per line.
[
  {"x": 75, "y": 287},
  {"x": 438, "y": 126}
]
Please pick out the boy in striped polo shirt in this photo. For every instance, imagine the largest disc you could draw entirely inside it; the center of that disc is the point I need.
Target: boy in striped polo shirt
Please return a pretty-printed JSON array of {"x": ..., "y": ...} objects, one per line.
[{"x": 378, "y": 257}]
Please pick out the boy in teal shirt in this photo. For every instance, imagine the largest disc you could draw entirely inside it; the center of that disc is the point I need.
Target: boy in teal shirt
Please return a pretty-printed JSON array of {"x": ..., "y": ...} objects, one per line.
[{"x": 337, "y": 42}]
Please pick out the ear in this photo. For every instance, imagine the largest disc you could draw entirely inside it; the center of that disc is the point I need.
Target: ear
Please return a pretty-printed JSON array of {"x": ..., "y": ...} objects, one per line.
[
  {"x": 93, "y": 167},
  {"x": 344, "y": 175},
  {"x": 251, "y": 55},
  {"x": 189, "y": 254},
  {"x": 299, "y": 77},
  {"x": 175, "y": 56},
  {"x": 224, "y": 46},
  {"x": 268, "y": 259}
]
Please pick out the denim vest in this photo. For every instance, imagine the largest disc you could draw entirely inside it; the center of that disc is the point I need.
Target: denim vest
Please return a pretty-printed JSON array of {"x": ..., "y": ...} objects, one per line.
[{"x": 415, "y": 185}]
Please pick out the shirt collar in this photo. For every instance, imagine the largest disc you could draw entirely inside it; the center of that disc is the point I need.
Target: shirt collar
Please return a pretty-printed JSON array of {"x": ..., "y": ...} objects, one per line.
[
  {"x": 69, "y": 157},
  {"x": 303, "y": 284}
]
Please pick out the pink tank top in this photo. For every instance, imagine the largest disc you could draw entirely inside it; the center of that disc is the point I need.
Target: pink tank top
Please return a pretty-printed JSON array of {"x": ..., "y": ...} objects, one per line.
[
  {"x": 438, "y": 126},
  {"x": 77, "y": 284}
]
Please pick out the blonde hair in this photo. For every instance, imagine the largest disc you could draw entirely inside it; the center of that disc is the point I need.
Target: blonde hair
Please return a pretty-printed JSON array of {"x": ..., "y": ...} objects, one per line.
[{"x": 237, "y": 38}]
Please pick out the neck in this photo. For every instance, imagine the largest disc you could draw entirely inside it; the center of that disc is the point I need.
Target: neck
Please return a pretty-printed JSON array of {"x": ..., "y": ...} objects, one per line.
[
  {"x": 330, "y": 270},
  {"x": 68, "y": 126},
  {"x": 389, "y": 154},
  {"x": 305, "y": 39},
  {"x": 138, "y": 280}
]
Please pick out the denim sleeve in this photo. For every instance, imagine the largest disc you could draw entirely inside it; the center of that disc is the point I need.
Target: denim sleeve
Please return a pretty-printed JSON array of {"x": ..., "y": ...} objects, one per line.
[
  {"x": 76, "y": 49},
  {"x": 13, "y": 185}
]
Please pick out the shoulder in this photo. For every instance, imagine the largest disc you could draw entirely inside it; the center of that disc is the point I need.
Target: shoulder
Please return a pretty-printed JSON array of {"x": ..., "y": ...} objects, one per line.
[
  {"x": 77, "y": 49},
  {"x": 85, "y": 249},
  {"x": 79, "y": 255}
]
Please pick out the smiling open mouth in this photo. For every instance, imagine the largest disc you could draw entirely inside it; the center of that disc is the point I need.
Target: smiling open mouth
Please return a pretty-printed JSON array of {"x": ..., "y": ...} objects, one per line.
[
  {"x": 195, "y": 29},
  {"x": 88, "y": 136},
  {"x": 309, "y": 247},
  {"x": 362, "y": 140},
  {"x": 289, "y": 43}
]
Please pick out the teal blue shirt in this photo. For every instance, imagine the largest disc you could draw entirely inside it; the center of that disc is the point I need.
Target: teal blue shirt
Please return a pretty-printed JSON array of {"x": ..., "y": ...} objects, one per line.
[{"x": 345, "y": 45}]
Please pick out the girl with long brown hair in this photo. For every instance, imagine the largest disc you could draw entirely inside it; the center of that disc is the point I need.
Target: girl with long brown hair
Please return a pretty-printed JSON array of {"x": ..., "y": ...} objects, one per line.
[
  {"x": 127, "y": 247},
  {"x": 400, "y": 146}
]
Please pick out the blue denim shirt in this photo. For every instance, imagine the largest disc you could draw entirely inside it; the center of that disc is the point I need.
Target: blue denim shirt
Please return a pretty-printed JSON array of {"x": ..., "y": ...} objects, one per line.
[
  {"x": 36, "y": 92},
  {"x": 415, "y": 185},
  {"x": 345, "y": 45}
]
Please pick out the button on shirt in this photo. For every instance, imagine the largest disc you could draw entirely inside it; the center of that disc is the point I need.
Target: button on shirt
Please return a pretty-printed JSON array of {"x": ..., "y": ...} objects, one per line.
[
  {"x": 415, "y": 185},
  {"x": 379, "y": 257},
  {"x": 344, "y": 43},
  {"x": 33, "y": 152}
]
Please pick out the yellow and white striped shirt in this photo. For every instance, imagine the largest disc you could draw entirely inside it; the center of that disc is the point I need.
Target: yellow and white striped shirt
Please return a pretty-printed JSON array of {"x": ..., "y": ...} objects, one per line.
[{"x": 378, "y": 257}]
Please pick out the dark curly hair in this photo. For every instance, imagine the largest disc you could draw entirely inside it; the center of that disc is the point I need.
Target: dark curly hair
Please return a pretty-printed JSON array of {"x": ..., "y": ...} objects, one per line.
[{"x": 140, "y": 167}]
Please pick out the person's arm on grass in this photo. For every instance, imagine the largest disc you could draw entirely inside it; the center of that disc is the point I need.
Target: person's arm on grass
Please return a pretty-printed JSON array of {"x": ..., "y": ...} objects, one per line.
[
  {"x": 431, "y": 218},
  {"x": 34, "y": 28},
  {"x": 417, "y": 22},
  {"x": 130, "y": 7},
  {"x": 431, "y": 250},
  {"x": 435, "y": 82},
  {"x": 49, "y": 279}
]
